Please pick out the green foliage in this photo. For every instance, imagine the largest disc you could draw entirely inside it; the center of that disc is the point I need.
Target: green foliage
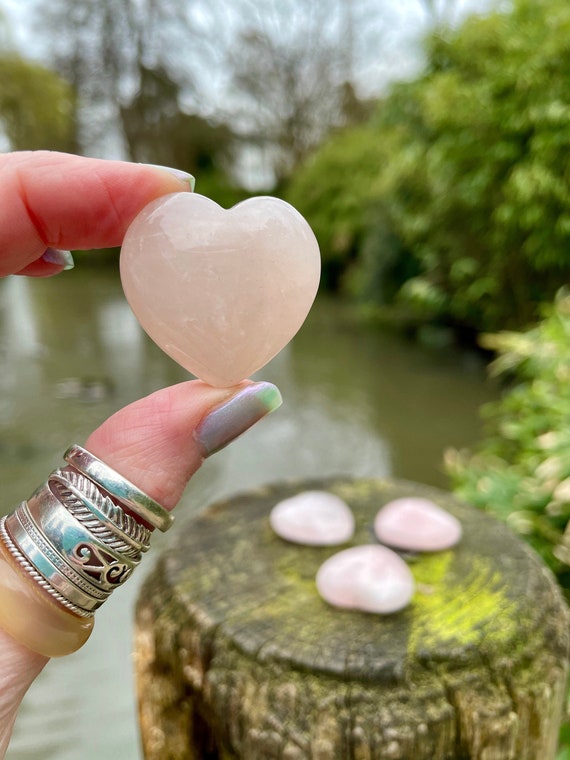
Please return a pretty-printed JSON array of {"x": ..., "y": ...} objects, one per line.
[
  {"x": 465, "y": 170},
  {"x": 490, "y": 221},
  {"x": 157, "y": 131},
  {"x": 521, "y": 472},
  {"x": 37, "y": 107},
  {"x": 334, "y": 191},
  {"x": 564, "y": 746},
  {"x": 341, "y": 191},
  {"x": 216, "y": 185}
]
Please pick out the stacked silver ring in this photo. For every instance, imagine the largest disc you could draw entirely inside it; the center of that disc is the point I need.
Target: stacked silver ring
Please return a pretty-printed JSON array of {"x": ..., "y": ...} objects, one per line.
[{"x": 77, "y": 535}]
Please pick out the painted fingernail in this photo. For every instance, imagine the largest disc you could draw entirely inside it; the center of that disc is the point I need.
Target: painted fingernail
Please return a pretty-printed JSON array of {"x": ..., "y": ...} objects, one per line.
[
  {"x": 178, "y": 173},
  {"x": 236, "y": 415},
  {"x": 61, "y": 258}
]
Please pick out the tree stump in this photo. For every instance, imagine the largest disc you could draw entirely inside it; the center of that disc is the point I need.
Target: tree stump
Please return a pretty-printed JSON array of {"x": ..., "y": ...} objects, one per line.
[{"x": 238, "y": 657}]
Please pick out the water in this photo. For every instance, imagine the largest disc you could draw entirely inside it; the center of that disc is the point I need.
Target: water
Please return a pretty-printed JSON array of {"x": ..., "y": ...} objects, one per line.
[{"x": 357, "y": 402}]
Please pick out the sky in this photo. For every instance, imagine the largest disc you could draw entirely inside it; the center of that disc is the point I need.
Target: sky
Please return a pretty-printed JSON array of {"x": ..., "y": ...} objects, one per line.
[
  {"x": 391, "y": 51},
  {"x": 406, "y": 21}
]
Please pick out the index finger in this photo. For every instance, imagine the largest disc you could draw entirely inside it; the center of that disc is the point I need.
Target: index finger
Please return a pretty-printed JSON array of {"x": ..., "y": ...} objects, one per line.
[{"x": 56, "y": 200}]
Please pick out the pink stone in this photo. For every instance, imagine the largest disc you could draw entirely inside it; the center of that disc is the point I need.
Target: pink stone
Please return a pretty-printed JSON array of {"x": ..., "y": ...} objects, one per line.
[
  {"x": 368, "y": 578},
  {"x": 314, "y": 518},
  {"x": 416, "y": 524},
  {"x": 220, "y": 291}
]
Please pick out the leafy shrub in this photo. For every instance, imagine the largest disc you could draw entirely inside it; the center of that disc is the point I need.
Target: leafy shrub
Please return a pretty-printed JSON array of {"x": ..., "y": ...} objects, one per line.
[
  {"x": 521, "y": 472},
  {"x": 454, "y": 198},
  {"x": 37, "y": 107}
]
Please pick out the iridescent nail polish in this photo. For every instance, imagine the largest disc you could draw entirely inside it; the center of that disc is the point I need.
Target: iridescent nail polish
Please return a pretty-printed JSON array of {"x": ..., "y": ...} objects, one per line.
[
  {"x": 236, "y": 415},
  {"x": 61, "y": 258}
]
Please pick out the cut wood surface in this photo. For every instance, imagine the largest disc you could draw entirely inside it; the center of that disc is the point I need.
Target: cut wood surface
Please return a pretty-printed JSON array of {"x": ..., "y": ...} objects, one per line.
[{"x": 237, "y": 657}]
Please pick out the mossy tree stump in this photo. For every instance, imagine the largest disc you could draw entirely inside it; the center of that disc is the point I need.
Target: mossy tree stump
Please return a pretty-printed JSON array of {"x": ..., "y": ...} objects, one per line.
[{"x": 238, "y": 657}]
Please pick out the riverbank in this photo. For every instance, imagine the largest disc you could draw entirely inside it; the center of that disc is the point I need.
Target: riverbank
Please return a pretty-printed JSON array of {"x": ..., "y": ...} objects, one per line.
[{"x": 357, "y": 401}]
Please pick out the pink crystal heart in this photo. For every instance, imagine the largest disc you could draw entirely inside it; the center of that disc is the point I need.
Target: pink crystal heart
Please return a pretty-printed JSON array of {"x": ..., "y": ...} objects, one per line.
[
  {"x": 313, "y": 518},
  {"x": 220, "y": 291},
  {"x": 367, "y": 578},
  {"x": 416, "y": 524}
]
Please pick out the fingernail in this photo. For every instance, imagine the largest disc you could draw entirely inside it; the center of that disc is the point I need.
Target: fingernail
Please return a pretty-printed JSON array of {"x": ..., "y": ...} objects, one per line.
[
  {"x": 178, "y": 173},
  {"x": 61, "y": 258},
  {"x": 233, "y": 417}
]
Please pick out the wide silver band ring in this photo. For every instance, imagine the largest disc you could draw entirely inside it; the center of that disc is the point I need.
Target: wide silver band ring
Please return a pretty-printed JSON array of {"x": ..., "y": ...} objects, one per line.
[
  {"x": 66, "y": 535},
  {"x": 104, "y": 518},
  {"x": 59, "y": 574},
  {"x": 119, "y": 488},
  {"x": 36, "y": 576},
  {"x": 76, "y": 537}
]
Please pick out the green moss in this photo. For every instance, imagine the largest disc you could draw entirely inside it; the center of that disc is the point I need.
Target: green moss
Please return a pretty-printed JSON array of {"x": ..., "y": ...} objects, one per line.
[
  {"x": 357, "y": 490},
  {"x": 463, "y": 610}
]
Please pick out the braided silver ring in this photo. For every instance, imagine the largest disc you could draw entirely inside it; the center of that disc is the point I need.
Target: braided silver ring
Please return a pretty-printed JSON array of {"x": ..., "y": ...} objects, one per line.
[
  {"x": 77, "y": 536},
  {"x": 119, "y": 487}
]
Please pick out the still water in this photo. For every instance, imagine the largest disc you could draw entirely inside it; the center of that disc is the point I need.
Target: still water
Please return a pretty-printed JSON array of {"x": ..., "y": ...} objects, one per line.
[{"x": 356, "y": 401}]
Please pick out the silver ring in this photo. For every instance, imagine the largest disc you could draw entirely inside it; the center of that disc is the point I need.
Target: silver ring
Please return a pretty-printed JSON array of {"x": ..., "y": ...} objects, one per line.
[
  {"x": 33, "y": 573},
  {"x": 99, "y": 563},
  {"x": 65, "y": 553},
  {"x": 73, "y": 540},
  {"x": 119, "y": 487},
  {"x": 64, "y": 582},
  {"x": 102, "y": 516}
]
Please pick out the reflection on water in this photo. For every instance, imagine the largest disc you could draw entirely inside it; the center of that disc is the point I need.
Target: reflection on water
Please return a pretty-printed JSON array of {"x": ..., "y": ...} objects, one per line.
[{"x": 356, "y": 402}]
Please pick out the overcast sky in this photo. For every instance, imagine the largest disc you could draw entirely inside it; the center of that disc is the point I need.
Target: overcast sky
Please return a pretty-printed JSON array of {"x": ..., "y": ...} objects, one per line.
[
  {"x": 395, "y": 53},
  {"x": 406, "y": 21}
]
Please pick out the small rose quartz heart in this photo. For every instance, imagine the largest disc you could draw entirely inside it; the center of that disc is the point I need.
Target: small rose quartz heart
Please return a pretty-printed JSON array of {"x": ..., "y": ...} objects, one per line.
[
  {"x": 367, "y": 578},
  {"x": 313, "y": 518},
  {"x": 416, "y": 524},
  {"x": 220, "y": 291}
]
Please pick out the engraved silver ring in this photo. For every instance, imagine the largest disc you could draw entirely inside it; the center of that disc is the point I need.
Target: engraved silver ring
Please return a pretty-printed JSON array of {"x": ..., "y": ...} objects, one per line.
[
  {"x": 75, "y": 537},
  {"x": 119, "y": 487}
]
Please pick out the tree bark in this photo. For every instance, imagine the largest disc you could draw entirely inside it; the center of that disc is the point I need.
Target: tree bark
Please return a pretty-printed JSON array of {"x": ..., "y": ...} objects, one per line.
[{"x": 237, "y": 657}]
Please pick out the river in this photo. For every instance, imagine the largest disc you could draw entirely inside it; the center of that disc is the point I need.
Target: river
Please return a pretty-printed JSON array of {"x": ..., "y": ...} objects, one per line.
[{"x": 357, "y": 401}]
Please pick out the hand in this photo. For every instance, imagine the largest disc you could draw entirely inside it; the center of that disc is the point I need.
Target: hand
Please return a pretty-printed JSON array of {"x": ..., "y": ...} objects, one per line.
[{"x": 58, "y": 201}]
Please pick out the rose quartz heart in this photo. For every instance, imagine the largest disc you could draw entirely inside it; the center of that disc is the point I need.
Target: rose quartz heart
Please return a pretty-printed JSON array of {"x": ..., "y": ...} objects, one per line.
[
  {"x": 220, "y": 291},
  {"x": 416, "y": 524},
  {"x": 313, "y": 518},
  {"x": 368, "y": 578}
]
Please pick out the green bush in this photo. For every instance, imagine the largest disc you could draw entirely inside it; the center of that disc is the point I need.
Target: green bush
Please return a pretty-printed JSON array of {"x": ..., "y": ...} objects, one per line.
[
  {"x": 37, "y": 107},
  {"x": 334, "y": 190},
  {"x": 454, "y": 199},
  {"x": 521, "y": 473},
  {"x": 490, "y": 215}
]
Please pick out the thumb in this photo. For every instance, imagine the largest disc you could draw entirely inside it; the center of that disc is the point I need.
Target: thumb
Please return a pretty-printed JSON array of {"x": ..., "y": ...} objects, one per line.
[{"x": 159, "y": 441}]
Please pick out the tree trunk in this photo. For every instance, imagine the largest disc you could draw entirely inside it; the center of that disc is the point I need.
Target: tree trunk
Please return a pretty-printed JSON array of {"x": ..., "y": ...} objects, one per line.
[{"x": 237, "y": 656}]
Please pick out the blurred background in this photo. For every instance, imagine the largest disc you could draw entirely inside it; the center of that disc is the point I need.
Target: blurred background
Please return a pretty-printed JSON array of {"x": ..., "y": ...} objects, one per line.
[{"x": 427, "y": 143}]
